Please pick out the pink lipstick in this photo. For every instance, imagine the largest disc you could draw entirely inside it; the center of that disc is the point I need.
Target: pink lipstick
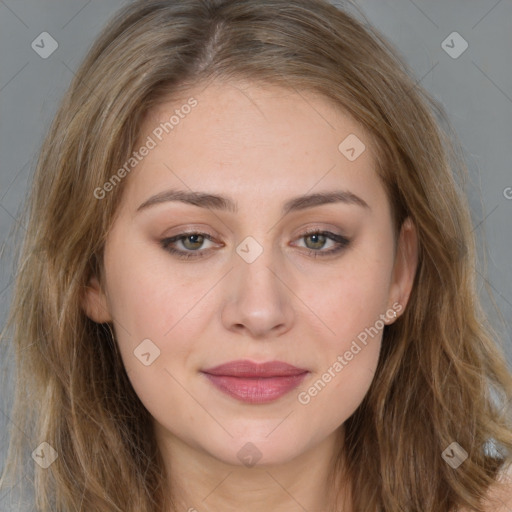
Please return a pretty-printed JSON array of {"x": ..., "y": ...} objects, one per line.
[{"x": 255, "y": 383}]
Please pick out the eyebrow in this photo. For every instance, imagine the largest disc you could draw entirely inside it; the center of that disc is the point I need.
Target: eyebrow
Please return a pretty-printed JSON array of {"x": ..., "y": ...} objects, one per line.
[{"x": 217, "y": 202}]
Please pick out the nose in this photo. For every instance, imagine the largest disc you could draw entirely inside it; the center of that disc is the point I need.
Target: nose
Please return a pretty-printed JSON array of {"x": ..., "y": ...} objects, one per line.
[{"x": 259, "y": 302}]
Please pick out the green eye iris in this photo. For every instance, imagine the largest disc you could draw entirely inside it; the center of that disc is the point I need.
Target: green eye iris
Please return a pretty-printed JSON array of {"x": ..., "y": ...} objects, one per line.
[
  {"x": 196, "y": 241},
  {"x": 318, "y": 243}
]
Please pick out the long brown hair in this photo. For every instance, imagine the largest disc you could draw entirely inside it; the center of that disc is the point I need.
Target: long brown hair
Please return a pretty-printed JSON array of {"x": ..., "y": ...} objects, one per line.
[{"x": 441, "y": 376}]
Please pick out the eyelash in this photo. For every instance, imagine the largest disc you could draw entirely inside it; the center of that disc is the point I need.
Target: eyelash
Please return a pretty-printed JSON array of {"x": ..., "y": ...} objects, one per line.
[{"x": 342, "y": 242}]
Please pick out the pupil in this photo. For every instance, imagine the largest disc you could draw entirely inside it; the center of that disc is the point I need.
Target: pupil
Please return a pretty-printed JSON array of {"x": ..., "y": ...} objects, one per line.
[
  {"x": 317, "y": 239},
  {"x": 193, "y": 240}
]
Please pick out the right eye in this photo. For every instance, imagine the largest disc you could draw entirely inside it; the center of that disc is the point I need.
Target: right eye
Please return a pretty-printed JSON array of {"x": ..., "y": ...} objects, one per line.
[{"x": 191, "y": 241}]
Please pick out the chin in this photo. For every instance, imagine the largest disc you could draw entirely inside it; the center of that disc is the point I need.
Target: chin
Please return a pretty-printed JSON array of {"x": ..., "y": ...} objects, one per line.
[{"x": 257, "y": 449}]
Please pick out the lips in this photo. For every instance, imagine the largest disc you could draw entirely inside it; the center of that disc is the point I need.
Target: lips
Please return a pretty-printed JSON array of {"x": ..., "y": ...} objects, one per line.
[
  {"x": 245, "y": 368},
  {"x": 255, "y": 382}
]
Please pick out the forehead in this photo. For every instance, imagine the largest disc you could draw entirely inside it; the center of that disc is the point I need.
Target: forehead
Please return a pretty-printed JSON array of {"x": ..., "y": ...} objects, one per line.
[
  {"x": 250, "y": 137},
  {"x": 230, "y": 111}
]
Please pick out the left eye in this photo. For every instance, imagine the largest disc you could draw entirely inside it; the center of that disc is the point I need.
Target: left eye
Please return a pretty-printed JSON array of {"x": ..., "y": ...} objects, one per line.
[
  {"x": 319, "y": 238},
  {"x": 192, "y": 242}
]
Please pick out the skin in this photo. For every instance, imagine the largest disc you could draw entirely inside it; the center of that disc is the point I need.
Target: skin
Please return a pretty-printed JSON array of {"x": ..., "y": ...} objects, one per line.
[{"x": 260, "y": 145}]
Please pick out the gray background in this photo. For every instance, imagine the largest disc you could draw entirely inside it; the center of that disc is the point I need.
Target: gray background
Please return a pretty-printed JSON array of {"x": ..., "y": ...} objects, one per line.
[{"x": 475, "y": 89}]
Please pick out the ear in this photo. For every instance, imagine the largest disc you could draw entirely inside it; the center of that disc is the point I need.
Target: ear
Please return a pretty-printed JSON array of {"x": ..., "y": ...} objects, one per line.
[
  {"x": 94, "y": 302},
  {"x": 406, "y": 263}
]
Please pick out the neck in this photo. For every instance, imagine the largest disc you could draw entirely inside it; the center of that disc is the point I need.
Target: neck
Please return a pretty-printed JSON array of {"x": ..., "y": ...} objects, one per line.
[{"x": 203, "y": 483}]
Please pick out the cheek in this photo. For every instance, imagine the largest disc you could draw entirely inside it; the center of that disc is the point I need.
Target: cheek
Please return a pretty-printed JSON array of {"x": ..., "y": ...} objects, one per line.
[
  {"x": 350, "y": 305},
  {"x": 152, "y": 301},
  {"x": 343, "y": 387},
  {"x": 352, "y": 298},
  {"x": 148, "y": 299},
  {"x": 148, "y": 302},
  {"x": 153, "y": 332},
  {"x": 347, "y": 362}
]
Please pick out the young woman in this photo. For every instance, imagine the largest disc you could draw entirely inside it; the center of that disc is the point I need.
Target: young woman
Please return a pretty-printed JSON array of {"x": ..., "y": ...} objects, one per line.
[{"x": 248, "y": 278}]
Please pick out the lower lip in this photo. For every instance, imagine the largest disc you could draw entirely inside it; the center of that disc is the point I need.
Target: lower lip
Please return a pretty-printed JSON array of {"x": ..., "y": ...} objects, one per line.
[{"x": 256, "y": 390}]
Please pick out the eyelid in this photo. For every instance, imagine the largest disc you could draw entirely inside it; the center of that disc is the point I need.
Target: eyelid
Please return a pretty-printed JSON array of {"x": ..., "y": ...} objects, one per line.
[
  {"x": 184, "y": 234},
  {"x": 341, "y": 241}
]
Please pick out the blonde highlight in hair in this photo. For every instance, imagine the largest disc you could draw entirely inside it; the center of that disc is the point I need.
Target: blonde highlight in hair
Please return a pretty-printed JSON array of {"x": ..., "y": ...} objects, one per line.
[{"x": 439, "y": 371}]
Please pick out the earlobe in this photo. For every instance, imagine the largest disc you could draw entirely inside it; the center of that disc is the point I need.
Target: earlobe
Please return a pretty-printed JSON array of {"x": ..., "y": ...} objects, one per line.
[
  {"x": 94, "y": 302},
  {"x": 406, "y": 263}
]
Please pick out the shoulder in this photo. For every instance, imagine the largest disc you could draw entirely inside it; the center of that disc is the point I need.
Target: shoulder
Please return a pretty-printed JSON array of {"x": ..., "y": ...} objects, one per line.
[{"x": 499, "y": 498}]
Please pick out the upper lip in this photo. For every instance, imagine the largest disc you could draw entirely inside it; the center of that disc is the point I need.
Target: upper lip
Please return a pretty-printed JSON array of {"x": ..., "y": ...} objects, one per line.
[{"x": 246, "y": 368}]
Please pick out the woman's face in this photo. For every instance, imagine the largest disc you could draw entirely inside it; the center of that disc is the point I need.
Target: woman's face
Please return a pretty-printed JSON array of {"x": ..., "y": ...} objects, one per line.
[{"x": 259, "y": 165}]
